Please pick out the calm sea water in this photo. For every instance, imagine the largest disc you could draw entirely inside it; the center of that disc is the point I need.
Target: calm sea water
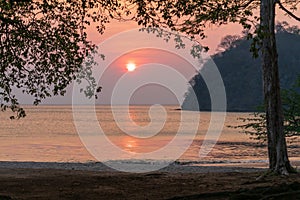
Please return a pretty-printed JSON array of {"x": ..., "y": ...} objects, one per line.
[{"x": 48, "y": 134}]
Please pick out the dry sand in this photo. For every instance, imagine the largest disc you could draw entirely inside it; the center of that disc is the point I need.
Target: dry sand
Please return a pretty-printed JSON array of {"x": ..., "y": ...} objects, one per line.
[{"x": 95, "y": 181}]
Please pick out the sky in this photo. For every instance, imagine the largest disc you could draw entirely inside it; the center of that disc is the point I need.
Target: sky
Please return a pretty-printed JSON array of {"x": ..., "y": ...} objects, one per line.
[
  {"x": 149, "y": 93},
  {"x": 214, "y": 33}
]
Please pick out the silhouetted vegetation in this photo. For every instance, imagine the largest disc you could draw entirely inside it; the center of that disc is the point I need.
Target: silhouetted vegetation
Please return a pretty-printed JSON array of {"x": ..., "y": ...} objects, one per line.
[
  {"x": 242, "y": 74},
  {"x": 44, "y": 47},
  {"x": 255, "y": 124}
]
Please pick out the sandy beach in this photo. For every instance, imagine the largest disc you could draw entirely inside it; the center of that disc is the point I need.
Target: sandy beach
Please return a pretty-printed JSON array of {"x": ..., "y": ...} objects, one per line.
[
  {"x": 33, "y": 180},
  {"x": 64, "y": 169}
]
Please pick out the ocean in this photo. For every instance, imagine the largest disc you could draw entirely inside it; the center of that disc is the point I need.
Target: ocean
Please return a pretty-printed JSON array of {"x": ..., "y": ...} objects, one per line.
[{"x": 51, "y": 134}]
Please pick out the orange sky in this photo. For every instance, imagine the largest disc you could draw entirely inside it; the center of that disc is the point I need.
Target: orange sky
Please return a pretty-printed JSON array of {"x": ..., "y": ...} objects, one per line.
[
  {"x": 145, "y": 94},
  {"x": 118, "y": 67},
  {"x": 214, "y": 34}
]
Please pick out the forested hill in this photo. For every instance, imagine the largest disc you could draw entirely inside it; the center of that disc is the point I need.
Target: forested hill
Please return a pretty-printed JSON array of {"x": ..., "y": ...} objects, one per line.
[{"x": 241, "y": 73}]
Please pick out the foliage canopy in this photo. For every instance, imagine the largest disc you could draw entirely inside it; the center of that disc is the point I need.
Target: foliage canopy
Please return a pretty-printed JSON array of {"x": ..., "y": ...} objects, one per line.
[{"x": 43, "y": 47}]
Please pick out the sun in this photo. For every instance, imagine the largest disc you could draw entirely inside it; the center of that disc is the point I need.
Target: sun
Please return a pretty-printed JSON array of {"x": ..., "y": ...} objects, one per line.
[{"x": 131, "y": 67}]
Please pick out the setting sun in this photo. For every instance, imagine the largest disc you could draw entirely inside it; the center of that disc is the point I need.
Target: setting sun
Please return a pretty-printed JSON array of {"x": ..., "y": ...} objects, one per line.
[{"x": 131, "y": 67}]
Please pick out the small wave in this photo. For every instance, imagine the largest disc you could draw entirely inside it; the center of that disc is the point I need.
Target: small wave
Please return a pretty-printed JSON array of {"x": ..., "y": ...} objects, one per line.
[
  {"x": 206, "y": 162},
  {"x": 248, "y": 144},
  {"x": 139, "y": 161}
]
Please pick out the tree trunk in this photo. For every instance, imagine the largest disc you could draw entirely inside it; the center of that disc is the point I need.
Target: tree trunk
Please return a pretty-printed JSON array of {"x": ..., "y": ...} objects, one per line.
[{"x": 277, "y": 149}]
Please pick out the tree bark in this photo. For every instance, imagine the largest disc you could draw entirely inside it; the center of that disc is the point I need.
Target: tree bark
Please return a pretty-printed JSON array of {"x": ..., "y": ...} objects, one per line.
[{"x": 277, "y": 149}]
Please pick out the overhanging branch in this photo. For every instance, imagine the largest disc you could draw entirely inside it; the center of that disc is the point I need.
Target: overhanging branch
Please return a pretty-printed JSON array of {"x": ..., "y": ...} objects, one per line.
[{"x": 287, "y": 11}]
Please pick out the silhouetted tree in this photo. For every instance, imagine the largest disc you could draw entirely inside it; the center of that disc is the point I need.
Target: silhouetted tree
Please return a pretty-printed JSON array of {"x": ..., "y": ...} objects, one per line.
[
  {"x": 43, "y": 45},
  {"x": 36, "y": 20},
  {"x": 228, "y": 42},
  {"x": 191, "y": 17}
]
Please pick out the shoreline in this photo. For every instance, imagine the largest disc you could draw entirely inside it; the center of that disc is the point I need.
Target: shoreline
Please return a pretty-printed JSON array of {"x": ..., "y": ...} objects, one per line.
[{"x": 100, "y": 167}]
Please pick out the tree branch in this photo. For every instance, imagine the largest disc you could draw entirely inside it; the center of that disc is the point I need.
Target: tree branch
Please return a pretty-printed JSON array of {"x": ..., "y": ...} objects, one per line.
[
  {"x": 247, "y": 4},
  {"x": 287, "y": 11}
]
